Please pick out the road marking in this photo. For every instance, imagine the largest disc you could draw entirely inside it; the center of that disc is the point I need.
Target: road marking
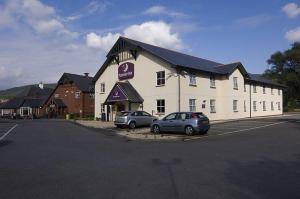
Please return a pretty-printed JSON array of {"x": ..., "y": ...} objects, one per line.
[
  {"x": 5, "y": 134},
  {"x": 237, "y": 131},
  {"x": 224, "y": 127}
]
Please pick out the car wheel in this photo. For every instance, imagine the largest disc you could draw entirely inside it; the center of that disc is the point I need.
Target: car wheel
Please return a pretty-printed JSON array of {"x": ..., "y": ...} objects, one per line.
[
  {"x": 189, "y": 130},
  {"x": 156, "y": 129},
  {"x": 132, "y": 125}
]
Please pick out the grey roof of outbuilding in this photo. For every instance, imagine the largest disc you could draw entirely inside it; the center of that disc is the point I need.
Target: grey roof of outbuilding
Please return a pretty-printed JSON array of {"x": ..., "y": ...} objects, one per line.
[
  {"x": 82, "y": 82},
  {"x": 182, "y": 60},
  {"x": 35, "y": 91},
  {"x": 13, "y": 103}
]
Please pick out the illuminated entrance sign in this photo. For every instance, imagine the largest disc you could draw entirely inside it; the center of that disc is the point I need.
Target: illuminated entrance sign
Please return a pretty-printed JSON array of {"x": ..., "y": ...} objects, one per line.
[{"x": 126, "y": 71}]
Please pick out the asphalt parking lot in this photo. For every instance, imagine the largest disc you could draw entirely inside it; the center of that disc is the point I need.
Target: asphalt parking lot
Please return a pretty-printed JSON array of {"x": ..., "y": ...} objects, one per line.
[
  {"x": 242, "y": 159},
  {"x": 5, "y": 128}
]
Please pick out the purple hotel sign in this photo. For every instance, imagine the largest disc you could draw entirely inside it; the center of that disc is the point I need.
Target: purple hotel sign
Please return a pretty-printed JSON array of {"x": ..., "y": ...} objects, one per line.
[
  {"x": 116, "y": 95},
  {"x": 126, "y": 71}
]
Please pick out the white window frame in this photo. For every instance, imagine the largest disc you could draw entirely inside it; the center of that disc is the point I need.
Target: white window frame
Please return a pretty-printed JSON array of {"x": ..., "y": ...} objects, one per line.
[
  {"x": 212, "y": 104},
  {"x": 77, "y": 94},
  {"x": 264, "y": 106},
  {"x": 264, "y": 89},
  {"x": 212, "y": 81},
  {"x": 254, "y": 106},
  {"x": 279, "y": 92},
  {"x": 193, "y": 80},
  {"x": 235, "y": 105},
  {"x": 245, "y": 107},
  {"x": 279, "y": 107},
  {"x": 235, "y": 83},
  {"x": 102, "y": 108},
  {"x": 160, "y": 78},
  {"x": 102, "y": 87},
  {"x": 56, "y": 95},
  {"x": 192, "y": 105},
  {"x": 272, "y": 106},
  {"x": 272, "y": 93},
  {"x": 160, "y": 107},
  {"x": 254, "y": 88}
]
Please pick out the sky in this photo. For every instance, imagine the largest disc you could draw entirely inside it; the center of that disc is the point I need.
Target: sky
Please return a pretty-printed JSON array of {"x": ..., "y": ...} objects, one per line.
[{"x": 41, "y": 39}]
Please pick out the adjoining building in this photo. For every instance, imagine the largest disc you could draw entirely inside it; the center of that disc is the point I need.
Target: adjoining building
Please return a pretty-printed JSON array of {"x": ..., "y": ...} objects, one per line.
[
  {"x": 29, "y": 103},
  {"x": 74, "y": 94},
  {"x": 140, "y": 76}
]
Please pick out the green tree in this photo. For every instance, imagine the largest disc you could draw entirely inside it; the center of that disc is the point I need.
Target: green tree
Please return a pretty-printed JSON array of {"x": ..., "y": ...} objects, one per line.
[{"x": 285, "y": 69}]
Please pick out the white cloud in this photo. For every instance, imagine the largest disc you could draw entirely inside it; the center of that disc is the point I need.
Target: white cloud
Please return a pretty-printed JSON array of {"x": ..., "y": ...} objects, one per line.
[
  {"x": 293, "y": 35},
  {"x": 40, "y": 17},
  {"x": 292, "y": 10},
  {"x": 9, "y": 72},
  {"x": 161, "y": 10},
  {"x": 153, "y": 32},
  {"x": 253, "y": 21}
]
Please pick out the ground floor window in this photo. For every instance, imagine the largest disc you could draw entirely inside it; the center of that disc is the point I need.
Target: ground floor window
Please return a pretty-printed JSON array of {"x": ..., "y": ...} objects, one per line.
[
  {"x": 264, "y": 106},
  {"x": 212, "y": 106},
  {"x": 192, "y": 105},
  {"x": 279, "y": 107},
  {"x": 160, "y": 106},
  {"x": 245, "y": 109},
  {"x": 272, "y": 106},
  {"x": 254, "y": 106},
  {"x": 234, "y": 103},
  {"x": 102, "y": 108}
]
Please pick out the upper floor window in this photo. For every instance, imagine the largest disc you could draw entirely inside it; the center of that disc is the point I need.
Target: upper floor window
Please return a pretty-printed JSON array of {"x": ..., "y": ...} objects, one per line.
[
  {"x": 77, "y": 94},
  {"x": 245, "y": 110},
  {"x": 102, "y": 108},
  {"x": 160, "y": 106},
  {"x": 272, "y": 91},
  {"x": 264, "y": 106},
  {"x": 254, "y": 88},
  {"x": 192, "y": 105},
  {"x": 56, "y": 95},
  {"x": 234, "y": 103},
  {"x": 245, "y": 90},
  {"x": 212, "y": 82},
  {"x": 102, "y": 88},
  {"x": 279, "y": 107},
  {"x": 272, "y": 106},
  {"x": 254, "y": 106},
  {"x": 212, "y": 106},
  {"x": 235, "y": 83},
  {"x": 264, "y": 89},
  {"x": 278, "y": 91},
  {"x": 193, "y": 80},
  {"x": 160, "y": 78}
]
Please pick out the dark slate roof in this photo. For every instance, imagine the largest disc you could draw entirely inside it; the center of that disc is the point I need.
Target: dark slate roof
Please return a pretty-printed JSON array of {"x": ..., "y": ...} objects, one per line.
[
  {"x": 35, "y": 91},
  {"x": 84, "y": 83},
  {"x": 261, "y": 79},
  {"x": 182, "y": 60},
  {"x": 33, "y": 103},
  {"x": 130, "y": 92},
  {"x": 13, "y": 103}
]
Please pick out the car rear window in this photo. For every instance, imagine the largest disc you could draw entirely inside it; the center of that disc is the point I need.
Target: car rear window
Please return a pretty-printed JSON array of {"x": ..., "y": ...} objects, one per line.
[
  {"x": 198, "y": 115},
  {"x": 124, "y": 113}
]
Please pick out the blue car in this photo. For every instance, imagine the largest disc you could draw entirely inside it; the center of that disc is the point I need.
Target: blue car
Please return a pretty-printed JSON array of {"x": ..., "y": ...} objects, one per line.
[{"x": 187, "y": 122}]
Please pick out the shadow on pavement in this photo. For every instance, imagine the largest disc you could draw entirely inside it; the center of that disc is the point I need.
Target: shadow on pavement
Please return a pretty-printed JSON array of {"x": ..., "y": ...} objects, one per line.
[{"x": 5, "y": 142}]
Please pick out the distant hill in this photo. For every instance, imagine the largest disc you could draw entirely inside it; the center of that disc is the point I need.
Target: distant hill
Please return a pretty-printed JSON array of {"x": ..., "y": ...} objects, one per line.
[{"x": 12, "y": 92}]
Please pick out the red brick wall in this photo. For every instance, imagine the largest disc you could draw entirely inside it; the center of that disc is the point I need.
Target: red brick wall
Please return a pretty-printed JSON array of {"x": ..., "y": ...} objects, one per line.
[{"x": 83, "y": 106}]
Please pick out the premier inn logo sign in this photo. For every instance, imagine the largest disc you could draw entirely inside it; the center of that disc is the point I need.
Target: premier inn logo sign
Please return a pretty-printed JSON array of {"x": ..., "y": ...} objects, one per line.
[{"x": 126, "y": 71}]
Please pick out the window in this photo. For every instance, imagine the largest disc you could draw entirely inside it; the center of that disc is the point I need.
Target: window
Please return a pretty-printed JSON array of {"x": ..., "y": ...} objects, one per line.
[
  {"x": 235, "y": 108},
  {"x": 264, "y": 106},
  {"x": 235, "y": 83},
  {"x": 254, "y": 106},
  {"x": 279, "y": 107},
  {"x": 56, "y": 95},
  {"x": 264, "y": 89},
  {"x": 278, "y": 91},
  {"x": 245, "y": 110},
  {"x": 77, "y": 94},
  {"x": 245, "y": 90},
  {"x": 102, "y": 88},
  {"x": 212, "y": 82},
  {"x": 213, "y": 106},
  {"x": 272, "y": 106},
  {"x": 193, "y": 80},
  {"x": 160, "y": 78},
  {"x": 254, "y": 89},
  {"x": 145, "y": 114},
  {"x": 102, "y": 108},
  {"x": 172, "y": 116},
  {"x": 160, "y": 105},
  {"x": 192, "y": 105},
  {"x": 272, "y": 91}
]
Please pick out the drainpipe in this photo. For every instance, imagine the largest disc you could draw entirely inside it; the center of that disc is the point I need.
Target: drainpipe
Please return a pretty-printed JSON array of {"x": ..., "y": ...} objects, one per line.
[
  {"x": 250, "y": 100},
  {"x": 179, "y": 91}
]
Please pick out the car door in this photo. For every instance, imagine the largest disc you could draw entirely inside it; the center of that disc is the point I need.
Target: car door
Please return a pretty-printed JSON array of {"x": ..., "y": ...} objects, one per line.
[
  {"x": 135, "y": 117},
  {"x": 168, "y": 122},
  {"x": 147, "y": 118},
  {"x": 181, "y": 121}
]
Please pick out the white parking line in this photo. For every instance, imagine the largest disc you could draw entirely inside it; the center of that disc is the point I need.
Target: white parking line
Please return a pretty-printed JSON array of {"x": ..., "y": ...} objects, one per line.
[
  {"x": 5, "y": 134},
  {"x": 237, "y": 131}
]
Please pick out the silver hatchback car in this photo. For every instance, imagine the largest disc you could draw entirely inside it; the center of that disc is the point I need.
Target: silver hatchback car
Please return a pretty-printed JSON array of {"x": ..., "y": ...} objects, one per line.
[
  {"x": 133, "y": 119},
  {"x": 187, "y": 122}
]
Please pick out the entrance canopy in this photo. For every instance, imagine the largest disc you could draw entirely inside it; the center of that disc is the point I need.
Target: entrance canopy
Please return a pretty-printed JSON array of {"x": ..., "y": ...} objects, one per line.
[{"x": 123, "y": 91}]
